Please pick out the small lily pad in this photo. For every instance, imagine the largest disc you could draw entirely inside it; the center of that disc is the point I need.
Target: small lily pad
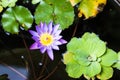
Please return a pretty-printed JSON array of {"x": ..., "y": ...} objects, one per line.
[
  {"x": 93, "y": 69},
  {"x": 106, "y": 73},
  {"x": 74, "y": 70},
  {"x": 109, "y": 58},
  {"x": 14, "y": 17},
  {"x": 68, "y": 58},
  {"x": 117, "y": 64}
]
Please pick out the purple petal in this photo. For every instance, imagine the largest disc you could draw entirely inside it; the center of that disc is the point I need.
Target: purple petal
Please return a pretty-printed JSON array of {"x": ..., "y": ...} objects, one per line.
[
  {"x": 50, "y": 53},
  {"x": 50, "y": 27},
  {"x": 36, "y": 38},
  {"x": 38, "y": 29},
  {"x": 55, "y": 47},
  {"x": 45, "y": 27},
  {"x": 55, "y": 28},
  {"x": 40, "y": 45},
  {"x": 43, "y": 49},
  {"x": 57, "y": 37},
  {"x": 63, "y": 41},
  {"x": 34, "y": 46},
  {"x": 41, "y": 26},
  {"x": 57, "y": 43},
  {"x": 33, "y": 33},
  {"x": 58, "y": 32}
]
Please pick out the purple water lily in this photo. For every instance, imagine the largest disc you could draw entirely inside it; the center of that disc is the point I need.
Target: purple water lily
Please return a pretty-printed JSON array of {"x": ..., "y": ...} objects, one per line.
[{"x": 47, "y": 37}]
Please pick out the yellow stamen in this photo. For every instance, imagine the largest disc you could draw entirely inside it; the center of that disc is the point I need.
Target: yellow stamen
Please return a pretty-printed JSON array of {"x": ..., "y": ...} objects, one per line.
[{"x": 46, "y": 39}]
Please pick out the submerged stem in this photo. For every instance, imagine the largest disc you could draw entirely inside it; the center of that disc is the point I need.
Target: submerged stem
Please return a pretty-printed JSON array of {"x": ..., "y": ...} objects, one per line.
[
  {"x": 29, "y": 57},
  {"x": 52, "y": 71}
]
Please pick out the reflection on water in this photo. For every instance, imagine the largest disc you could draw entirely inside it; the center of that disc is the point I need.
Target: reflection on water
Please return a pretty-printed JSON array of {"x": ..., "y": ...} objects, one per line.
[{"x": 14, "y": 73}]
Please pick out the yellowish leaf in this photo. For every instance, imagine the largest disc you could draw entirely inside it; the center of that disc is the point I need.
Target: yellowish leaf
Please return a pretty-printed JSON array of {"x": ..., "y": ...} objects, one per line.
[
  {"x": 1, "y": 8},
  {"x": 90, "y": 8}
]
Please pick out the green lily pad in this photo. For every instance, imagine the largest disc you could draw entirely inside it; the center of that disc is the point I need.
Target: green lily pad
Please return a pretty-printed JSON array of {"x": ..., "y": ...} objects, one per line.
[
  {"x": 89, "y": 43},
  {"x": 106, "y": 73},
  {"x": 88, "y": 46},
  {"x": 9, "y": 3},
  {"x": 92, "y": 70},
  {"x": 109, "y": 58},
  {"x": 88, "y": 52},
  {"x": 72, "y": 67},
  {"x": 73, "y": 44},
  {"x": 52, "y": 10},
  {"x": 89, "y": 35},
  {"x": 68, "y": 58},
  {"x": 81, "y": 58},
  {"x": 13, "y": 17},
  {"x": 44, "y": 13},
  {"x": 74, "y": 70},
  {"x": 117, "y": 64},
  {"x": 93, "y": 45}
]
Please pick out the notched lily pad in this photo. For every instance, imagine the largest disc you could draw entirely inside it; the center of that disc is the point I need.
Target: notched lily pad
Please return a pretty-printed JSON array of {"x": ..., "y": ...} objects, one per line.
[
  {"x": 60, "y": 12},
  {"x": 17, "y": 16}
]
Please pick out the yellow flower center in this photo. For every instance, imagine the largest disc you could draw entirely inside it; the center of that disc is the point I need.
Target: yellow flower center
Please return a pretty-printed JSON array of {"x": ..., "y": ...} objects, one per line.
[{"x": 46, "y": 39}]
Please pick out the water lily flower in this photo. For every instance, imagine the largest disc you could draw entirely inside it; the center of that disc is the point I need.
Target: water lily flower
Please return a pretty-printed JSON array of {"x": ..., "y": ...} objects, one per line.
[{"x": 47, "y": 38}]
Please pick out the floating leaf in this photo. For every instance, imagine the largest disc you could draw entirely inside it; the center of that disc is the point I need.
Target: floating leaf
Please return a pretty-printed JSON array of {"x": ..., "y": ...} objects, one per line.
[
  {"x": 68, "y": 58},
  {"x": 13, "y": 17},
  {"x": 117, "y": 64},
  {"x": 89, "y": 43},
  {"x": 43, "y": 13},
  {"x": 52, "y": 10},
  {"x": 74, "y": 2},
  {"x": 88, "y": 35},
  {"x": 90, "y": 8},
  {"x": 93, "y": 45},
  {"x": 82, "y": 58},
  {"x": 35, "y": 1},
  {"x": 109, "y": 58},
  {"x": 9, "y": 3},
  {"x": 93, "y": 69},
  {"x": 86, "y": 51},
  {"x": 106, "y": 73},
  {"x": 73, "y": 44},
  {"x": 74, "y": 70}
]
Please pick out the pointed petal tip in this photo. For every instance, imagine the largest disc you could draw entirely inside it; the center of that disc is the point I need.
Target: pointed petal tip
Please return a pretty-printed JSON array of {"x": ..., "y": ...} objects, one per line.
[
  {"x": 63, "y": 41},
  {"x": 34, "y": 46},
  {"x": 50, "y": 54},
  {"x": 34, "y": 33}
]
